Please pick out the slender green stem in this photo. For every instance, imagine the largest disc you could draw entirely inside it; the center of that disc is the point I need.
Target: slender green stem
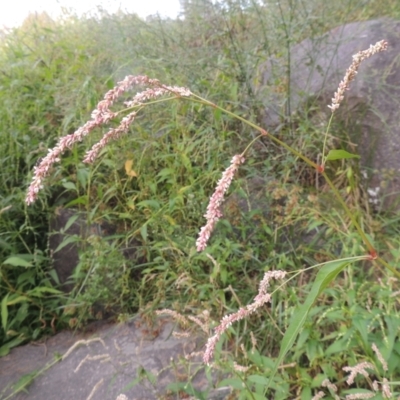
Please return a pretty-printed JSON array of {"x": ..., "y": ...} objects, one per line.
[
  {"x": 349, "y": 213},
  {"x": 26, "y": 380},
  {"x": 245, "y": 383},
  {"x": 251, "y": 144},
  {"x": 304, "y": 158},
  {"x": 140, "y": 106},
  {"x": 263, "y": 132},
  {"x": 325, "y": 139},
  {"x": 296, "y": 273},
  {"x": 258, "y": 128},
  {"x": 388, "y": 266}
]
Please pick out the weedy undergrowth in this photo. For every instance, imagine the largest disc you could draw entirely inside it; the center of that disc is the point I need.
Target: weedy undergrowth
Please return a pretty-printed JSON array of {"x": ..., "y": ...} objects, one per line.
[{"x": 155, "y": 92}]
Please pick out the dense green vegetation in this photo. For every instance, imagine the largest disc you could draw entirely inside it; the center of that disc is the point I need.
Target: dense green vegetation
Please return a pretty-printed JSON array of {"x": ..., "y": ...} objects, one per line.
[{"x": 153, "y": 186}]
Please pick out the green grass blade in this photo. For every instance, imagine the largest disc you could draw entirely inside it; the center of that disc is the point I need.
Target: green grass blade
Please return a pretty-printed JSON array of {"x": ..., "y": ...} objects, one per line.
[
  {"x": 4, "y": 312},
  {"x": 324, "y": 277}
]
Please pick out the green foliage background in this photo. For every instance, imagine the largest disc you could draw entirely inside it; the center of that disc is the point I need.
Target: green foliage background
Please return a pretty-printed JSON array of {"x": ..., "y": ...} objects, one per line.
[{"x": 53, "y": 73}]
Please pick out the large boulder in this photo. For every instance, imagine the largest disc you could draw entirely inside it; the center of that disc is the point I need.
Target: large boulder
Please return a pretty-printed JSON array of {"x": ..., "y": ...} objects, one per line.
[
  {"x": 370, "y": 110},
  {"x": 135, "y": 359},
  {"x": 69, "y": 233}
]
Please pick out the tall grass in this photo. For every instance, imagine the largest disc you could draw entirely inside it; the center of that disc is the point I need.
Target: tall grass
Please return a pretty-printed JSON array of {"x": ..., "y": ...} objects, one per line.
[{"x": 154, "y": 183}]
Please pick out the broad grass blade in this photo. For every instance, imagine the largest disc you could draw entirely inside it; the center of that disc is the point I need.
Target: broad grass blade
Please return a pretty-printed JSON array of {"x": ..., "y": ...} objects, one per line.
[{"x": 324, "y": 277}]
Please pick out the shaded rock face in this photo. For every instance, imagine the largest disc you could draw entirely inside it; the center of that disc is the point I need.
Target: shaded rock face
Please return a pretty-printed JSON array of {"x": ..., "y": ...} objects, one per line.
[
  {"x": 371, "y": 109},
  {"x": 132, "y": 358},
  {"x": 65, "y": 259},
  {"x": 277, "y": 214},
  {"x": 68, "y": 231}
]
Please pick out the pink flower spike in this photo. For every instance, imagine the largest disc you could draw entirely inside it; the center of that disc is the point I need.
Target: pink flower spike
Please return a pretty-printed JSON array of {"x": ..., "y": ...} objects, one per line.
[
  {"x": 214, "y": 213},
  {"x": 101, "y": 115},
  {"x": 112, "y": 134},
  {"x": 262, "y": 298},
  {"x": 359, "y": 369},
  {"x": 353, "y": 70}
]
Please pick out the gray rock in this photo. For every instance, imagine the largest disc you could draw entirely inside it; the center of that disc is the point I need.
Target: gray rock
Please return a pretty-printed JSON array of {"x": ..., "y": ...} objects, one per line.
[
  {"x": 130, "y": 359},
  {"x": 260, "y": 207},
  {"x": 68, "y": 230},
  {"x": 371, "y": 107},
  {"x": 65, "y": 257}
]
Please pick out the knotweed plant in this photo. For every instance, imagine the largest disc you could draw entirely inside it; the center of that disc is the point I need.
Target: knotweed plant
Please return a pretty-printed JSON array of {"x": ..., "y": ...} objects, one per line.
[
  {"x": 368, "y": 371},
  {"x": 152, "y": 91}
]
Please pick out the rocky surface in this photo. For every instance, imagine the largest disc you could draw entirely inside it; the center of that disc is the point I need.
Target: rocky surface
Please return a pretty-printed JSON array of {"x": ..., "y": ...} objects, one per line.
[
  {"x": 371, "y": 109},
  {"x": 69, "y": 231},
  {"x": 131, "y": 359}
]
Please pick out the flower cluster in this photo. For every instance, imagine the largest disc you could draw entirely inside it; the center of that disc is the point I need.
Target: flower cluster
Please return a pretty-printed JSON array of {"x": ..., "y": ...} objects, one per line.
[
  {"x": 352, "y": 71},
  {"x": 214, "y": 212},
  {"x": 262, "y": 298},
  {"x": 102, "y": 115}
]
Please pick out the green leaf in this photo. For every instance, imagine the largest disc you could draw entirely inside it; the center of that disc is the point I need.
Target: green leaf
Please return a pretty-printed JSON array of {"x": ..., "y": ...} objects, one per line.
[
  {"x": 262, "y": 380},
  {"x": 340, "y": 155},
  {"x": 392, "y": 323},
  {"x": 131, "y": 384},
  {"x": 67, "y": 241},
  {"x": 339, "y": 345},
  {"x": 234, "y": 382},
  {"x": 257, "y": 396},
  {"x": 83, "y": 176},
  {"x": 4, "y": 312},
  {"x": 18, "y": 299},
  {"x": 17, "y": 261},
  {"x": 69, "y": 186},
  {"x": 143, "y": 232},
  {"x": 79, "y": 200},
  {"x": 362, "y": 326},
  {"x": 5, "y": 349},
  {"x": 217, "y": 114},
  {"x": 306, "y": 393},
  {"x": 154, "y": 204},
  {"x": 25, "y": 381},
  {"x": 324, "y": 277},
  {"x": 166, "y": 172},
  {"x": 150, "y": 376},
  {"x": 186, "y": 162},
  {"x": 70, "y": 221},
  {"x": 37, "y": 291}
]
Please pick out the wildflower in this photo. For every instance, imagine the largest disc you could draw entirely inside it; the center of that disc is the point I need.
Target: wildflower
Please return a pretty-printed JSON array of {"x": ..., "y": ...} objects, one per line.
[
  {"x": 193, "y": 354},
  {"x": 356, "y": 396},
  {"x": 328, "y": 384},
  {"x": 253, "y": 342},
  {"x": 239, "y": 368},
  {"x": 153, "y": 93},
  {"x": 357, "y": 369},
  {"x": 380, "y": 357},
  {"x": 262, "y": 298},
  {"x": 387, "y": 394},
  {"x": 331, "y": 386},
  {"x": 320, "y": 395},
  {"x": 101, "y": 115},
  {"x": 214, "y": 213},
  {"x": 204, "y": 326},
  {"x": 352, "y": 71},
  {"x": 181, "y": 335}
]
